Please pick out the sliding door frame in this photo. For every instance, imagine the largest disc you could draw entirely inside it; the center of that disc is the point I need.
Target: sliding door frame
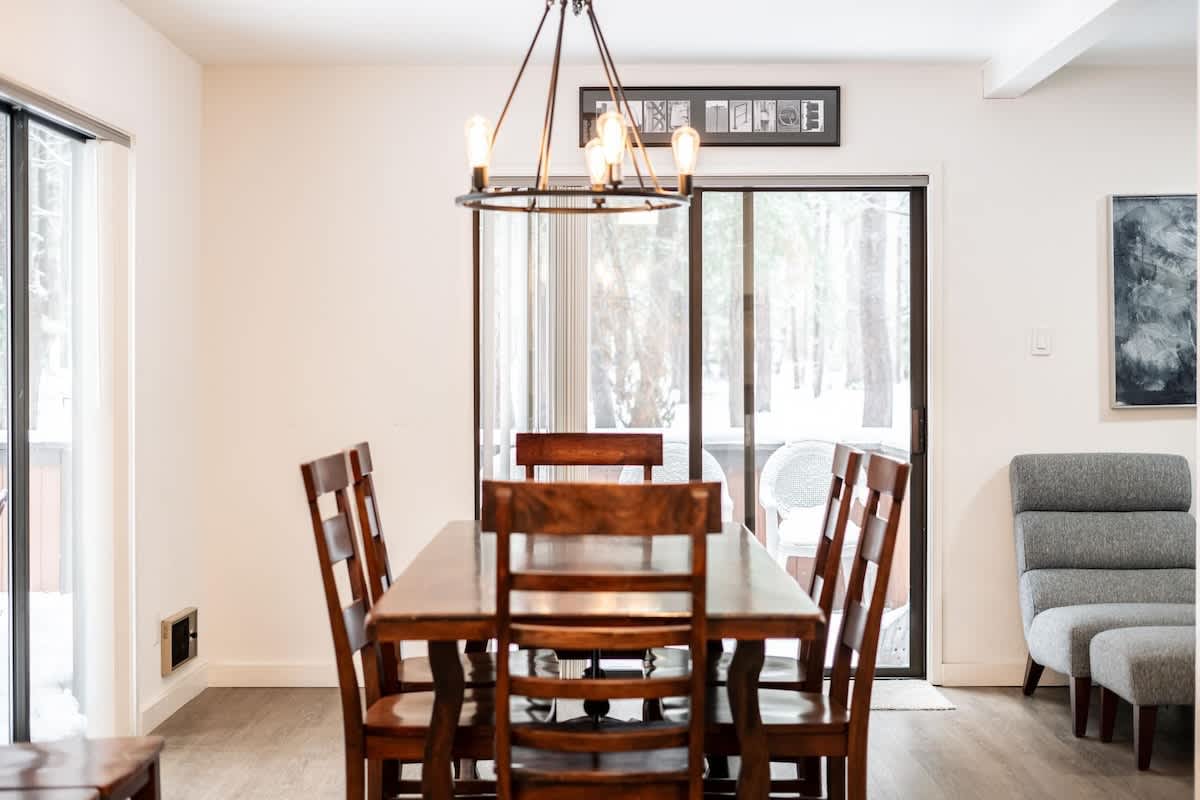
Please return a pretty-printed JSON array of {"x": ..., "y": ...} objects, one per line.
[
  {"x": 18, "y": 504},
  {"x": 916, "y": 189}
]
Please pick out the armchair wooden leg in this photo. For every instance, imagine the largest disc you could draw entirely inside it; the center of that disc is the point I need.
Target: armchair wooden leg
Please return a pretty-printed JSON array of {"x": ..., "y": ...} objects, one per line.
[
  {"x": 1033, "y": 674},
  {"x": 1144, "y": 718},
  {"x": 1081, "y": 697},
  {"x": 1108, "y": 714}
]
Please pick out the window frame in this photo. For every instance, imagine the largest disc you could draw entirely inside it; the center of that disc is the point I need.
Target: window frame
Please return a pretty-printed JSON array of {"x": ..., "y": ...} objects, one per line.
[{"x": 19, "y": 119}]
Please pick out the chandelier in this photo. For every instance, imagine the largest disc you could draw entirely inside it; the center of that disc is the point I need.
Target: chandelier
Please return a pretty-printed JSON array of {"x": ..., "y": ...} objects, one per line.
[{"x": 617, "y": 135}]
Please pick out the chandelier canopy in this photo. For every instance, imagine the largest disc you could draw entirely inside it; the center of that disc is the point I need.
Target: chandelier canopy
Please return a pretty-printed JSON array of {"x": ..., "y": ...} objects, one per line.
[{"x": 617, "y": 135}]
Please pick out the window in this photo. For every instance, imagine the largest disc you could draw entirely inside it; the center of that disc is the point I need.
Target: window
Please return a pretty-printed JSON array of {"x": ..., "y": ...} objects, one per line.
[{"x": 41, "y": 256}]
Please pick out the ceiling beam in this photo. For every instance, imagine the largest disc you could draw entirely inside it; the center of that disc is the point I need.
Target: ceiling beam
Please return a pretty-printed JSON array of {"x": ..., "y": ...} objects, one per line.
[{"x": 1048, "y": 41}]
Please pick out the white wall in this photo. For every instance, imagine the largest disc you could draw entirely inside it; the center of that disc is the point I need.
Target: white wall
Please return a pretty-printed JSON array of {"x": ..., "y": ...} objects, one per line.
[
  {"x": 98, "y": 56},
  {"x": 335, "y": 271}
]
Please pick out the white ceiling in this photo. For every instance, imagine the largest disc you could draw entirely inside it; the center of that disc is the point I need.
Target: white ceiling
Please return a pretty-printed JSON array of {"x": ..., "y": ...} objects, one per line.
[{"x": 643, "y": 31}]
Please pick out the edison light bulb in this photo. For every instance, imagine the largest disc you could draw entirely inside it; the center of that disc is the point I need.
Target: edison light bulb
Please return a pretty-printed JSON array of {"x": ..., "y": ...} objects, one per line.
[
  {"x": 611, "y": 127},
  {"x": 685, "y": 145},
  {"x": 479, "y": 149},
  {"x": 597, "y": 163}
]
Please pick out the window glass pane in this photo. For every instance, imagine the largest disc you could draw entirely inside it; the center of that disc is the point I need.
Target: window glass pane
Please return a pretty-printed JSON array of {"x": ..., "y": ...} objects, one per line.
[
  {"x": 831, "y": 304},
  {"x": 638, "y": 333},
  {"x": 56, "y": 680},
  {"x": 722, "y": 343},
  {"x": 5, "y": 251}
]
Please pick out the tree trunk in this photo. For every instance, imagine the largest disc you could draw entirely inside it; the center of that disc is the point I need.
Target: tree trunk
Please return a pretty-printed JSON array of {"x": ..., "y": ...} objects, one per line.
[
  {"x": 797, "y": 373},
  {"x": 763, "y": 352},
  {"x": 853, "y": 344},
  {"x": 872, "y": 315},
  {"x": 819, "y": 275},
  {"x": 733, "y": 353}
]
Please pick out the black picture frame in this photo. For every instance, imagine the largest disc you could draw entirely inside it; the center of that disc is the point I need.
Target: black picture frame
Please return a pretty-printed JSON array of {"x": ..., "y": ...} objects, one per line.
[{"x": 773, "y": 116}]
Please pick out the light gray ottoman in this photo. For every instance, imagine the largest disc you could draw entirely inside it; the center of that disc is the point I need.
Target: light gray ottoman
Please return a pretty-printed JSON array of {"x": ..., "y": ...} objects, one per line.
[{"x": 1148, "y": 667}]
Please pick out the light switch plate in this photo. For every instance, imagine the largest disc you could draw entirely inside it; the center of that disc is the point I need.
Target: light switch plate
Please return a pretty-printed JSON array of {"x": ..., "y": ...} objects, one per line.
[{"x": 1041, "y": 342}]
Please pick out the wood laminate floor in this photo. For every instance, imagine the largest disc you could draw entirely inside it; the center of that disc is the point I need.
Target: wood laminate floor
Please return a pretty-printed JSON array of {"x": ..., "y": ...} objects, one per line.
[{"x": 286, "y": 743}]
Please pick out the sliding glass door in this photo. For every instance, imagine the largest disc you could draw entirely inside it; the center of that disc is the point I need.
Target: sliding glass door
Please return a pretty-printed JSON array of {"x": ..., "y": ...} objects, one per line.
[
  {"x": 809, "y": 339},
  {"x": 753, "y": 331},
  {"x": 42, "y": 175}
]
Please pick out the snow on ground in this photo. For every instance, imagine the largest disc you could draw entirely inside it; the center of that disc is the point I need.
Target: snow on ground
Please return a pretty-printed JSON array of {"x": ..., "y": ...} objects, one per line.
[{"x": 54, "y": 710}]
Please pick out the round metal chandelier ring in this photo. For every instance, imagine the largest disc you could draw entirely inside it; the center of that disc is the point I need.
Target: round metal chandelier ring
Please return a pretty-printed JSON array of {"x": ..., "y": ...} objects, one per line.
[{"x": 573, "y": 201}]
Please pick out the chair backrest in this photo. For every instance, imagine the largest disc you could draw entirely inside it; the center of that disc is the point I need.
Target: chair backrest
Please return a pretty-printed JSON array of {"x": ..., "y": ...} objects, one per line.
[
  {"x": 379, "y": 568},
  {"x": 1122, "y": 517},
  {"x": 550, "y": 509},
  {"x": 676, "y": 469},
  {"x": 822, "y": 582},
  {"x": 336, "y": 544},
  {"x": 535, "y": 450},
  {"x": 878, "y": 519},
  {"x": 796, "y": 476}
]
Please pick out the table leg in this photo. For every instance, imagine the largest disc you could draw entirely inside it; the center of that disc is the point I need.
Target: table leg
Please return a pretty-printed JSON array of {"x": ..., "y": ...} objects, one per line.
[
  {"x": 437, "y": 782},
  {"x": 718, "y": 766},
  {"x": 754, "y": 778}
]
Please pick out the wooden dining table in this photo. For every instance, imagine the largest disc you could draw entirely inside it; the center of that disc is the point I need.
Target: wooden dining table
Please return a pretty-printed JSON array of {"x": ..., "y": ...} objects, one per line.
[{"x": 448, "y": 595}]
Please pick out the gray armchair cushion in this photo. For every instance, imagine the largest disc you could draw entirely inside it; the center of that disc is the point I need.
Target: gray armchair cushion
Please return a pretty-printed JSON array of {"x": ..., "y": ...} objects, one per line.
[
  {"x": 1152, "y": 666},
  {"x": 1061, "y": 637},
  {"x": 1105, "y": 540},
  {"x": 1100, "y": 482},
  {"x": 1044, "y": 589}
]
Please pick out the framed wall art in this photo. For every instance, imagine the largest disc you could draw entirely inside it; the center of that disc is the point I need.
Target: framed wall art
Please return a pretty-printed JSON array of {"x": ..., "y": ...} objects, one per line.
[
  {"x": 1152, "y": 260},
  {"x": 725, "y": 116}
]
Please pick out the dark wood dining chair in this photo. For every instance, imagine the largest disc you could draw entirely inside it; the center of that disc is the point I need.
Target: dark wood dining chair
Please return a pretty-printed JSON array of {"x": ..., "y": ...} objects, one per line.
[
  {"x": 108, "y": 769},
  {"x": 801, "y": 725},
  {"x": 806, "y": 670},
  {"x": 413, "y": 673},
  {"x": 391, "y": 727},
  {"x": 643, "y": 450},
  {"x": 581, "y": 759}
]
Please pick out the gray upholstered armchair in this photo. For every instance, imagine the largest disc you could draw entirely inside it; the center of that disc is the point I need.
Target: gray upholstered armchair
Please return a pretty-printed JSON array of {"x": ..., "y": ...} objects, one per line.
[{"x": 1104, "y": 541}]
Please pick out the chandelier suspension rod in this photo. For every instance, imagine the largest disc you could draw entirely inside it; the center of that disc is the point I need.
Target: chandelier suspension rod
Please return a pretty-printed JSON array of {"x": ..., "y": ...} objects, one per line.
[
  {"x": 606, "y": 54},
  {"x": 520, "y": 73},
  {"x": 612, "y": 92},
  {"x": 552, "y": 97}
]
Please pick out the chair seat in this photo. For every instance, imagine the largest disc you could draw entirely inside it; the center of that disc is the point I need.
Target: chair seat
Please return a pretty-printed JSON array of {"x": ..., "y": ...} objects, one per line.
[
  {"x": 408, "y": 714},
  {"x": 801, "y": 529},
  {"x": 649, "y": 766},
  {"x": 1060, "y": 638},
  {"x": 479, "y": 669},
  {"x": 778, "y": 672},
  {"x": 783, "y": 712}
]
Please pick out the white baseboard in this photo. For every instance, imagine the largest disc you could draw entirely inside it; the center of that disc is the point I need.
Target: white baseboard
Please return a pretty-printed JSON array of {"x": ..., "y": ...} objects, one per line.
[
  {"x": 319, "y": 674},
  {"x": 1003, "y": 674},
  {"x": 183, "y": 688}
]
